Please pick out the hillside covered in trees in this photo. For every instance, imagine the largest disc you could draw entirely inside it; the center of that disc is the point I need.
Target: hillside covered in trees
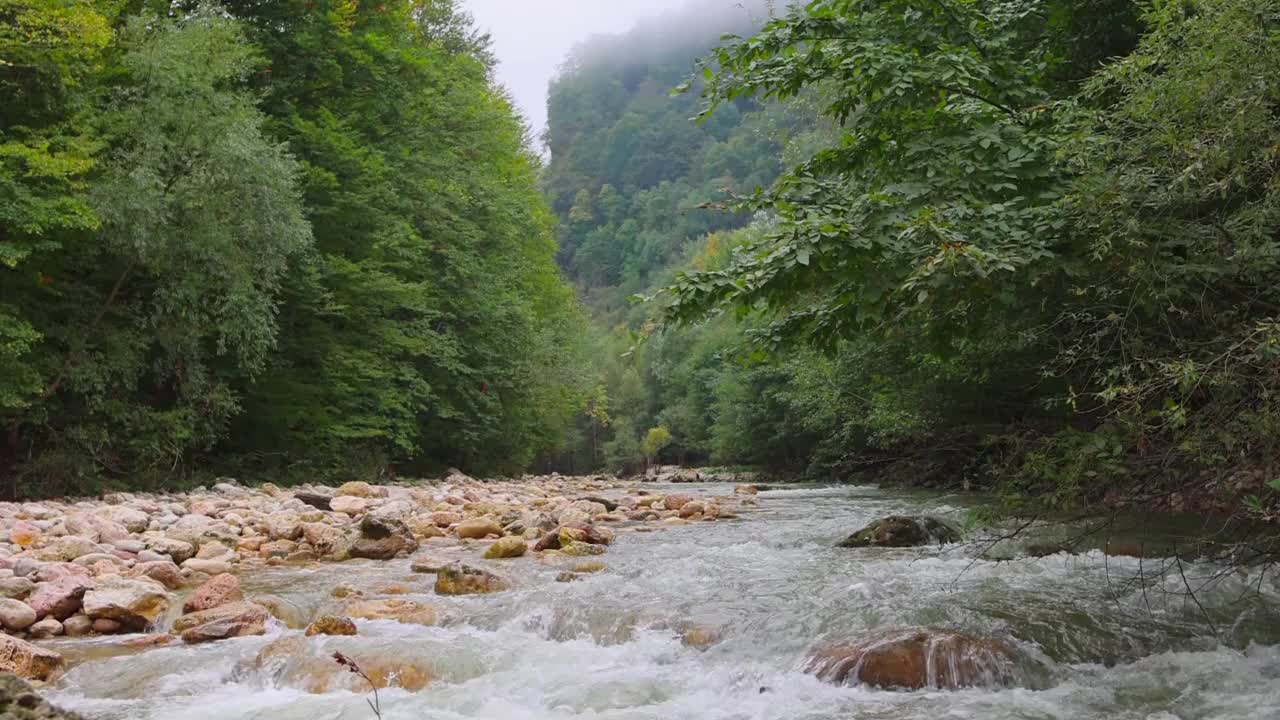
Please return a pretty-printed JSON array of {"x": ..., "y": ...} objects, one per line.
[
  {"x": 1026, "y": 245},
  {"x": 279, "y": 238}
]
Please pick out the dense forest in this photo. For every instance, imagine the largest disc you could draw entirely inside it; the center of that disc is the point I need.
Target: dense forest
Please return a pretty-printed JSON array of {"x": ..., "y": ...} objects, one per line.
[
  {"x": 286, "y": 238},
  {"x": 1027, "y": 245},
  {"x": 1019, "y": 245}
]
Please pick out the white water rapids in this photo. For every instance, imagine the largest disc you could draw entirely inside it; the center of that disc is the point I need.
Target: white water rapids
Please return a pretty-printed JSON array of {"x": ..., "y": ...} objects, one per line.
[{"x": 774, "y": 585}]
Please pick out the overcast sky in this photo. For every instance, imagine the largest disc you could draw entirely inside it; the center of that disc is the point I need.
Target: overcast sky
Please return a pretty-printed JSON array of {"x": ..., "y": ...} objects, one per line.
[{"x": 532, "y": 37}]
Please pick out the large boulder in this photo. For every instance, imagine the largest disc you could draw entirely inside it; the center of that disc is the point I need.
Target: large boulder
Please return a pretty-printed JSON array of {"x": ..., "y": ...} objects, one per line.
[
  {"x": 914, "y": 658},
  {"x": 217, "y": 590},
  {"x": 29, "y": 661},
  {"x": 237, "y": 619},
  {"x": 902, "y": 531},
  {"x": 459, "y": 579},
  {"x": 382, "y": 537},
  {"x": 135, "y": 603},
  {"x": 61, "y": 598}
]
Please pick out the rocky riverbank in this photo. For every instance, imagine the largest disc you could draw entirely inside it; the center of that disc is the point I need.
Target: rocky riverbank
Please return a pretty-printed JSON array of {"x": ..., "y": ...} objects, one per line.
[{"x": 170, "y": 564}]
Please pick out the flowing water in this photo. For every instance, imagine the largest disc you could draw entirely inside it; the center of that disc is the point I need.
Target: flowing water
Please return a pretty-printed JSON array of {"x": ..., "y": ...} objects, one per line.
[{"x": 773, "y": 585}]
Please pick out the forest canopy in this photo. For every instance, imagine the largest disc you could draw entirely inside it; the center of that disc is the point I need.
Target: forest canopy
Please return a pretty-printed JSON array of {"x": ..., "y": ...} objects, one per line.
[{"x": 295, "y": 237}]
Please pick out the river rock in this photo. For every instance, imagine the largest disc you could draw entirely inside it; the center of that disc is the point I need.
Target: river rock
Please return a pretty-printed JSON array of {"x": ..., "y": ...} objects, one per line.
[
  {"x": 675, "y": 501},
  {"x": 135, "y": 603},
  {"x": 902, "y": 531},
  {"x": 215, "y": 550},
  {"x": 197, "y": 530},
  {"x": 477, "y": 528},
  {"x": 699, "y": 637},
  {"x": 208, "y": 567},
  {"x": 331, "y": 625},
  {"x": 237, "y": 619},
  {"x": 510, "y": 546},
  {"x": 19, "y": 702},
  {"x": 177, "y": 550},
  {"x": 16, "y": 615},
  {"x": 427, "y": 564},
  {"x": 277, "y": 549},
  {"x": 357, "y": 488},
  {"x": 24, "y": 534},
  {"x": 401, "y": 610},
  {"x": 65, "y": 549},
  {"x": 446, "y": 518},
  {"x": 293, "y": 662},
  {"x": 77, "y": 625},
  {"x": 913, "y": 659},
  {"x": 286, "y": 612},
  {"x": 350, "y": 504},
  {"x": 134, "y": 521},
  {"x": 16, "y": 588},
  {"x": 382, "y": 538},
  {"x": 283, "y": 525},
  {"x": 459, "y": 579},
  {"x": 104, "y": 626},
  {"x": 217, "y": 590},
  {"x": 59, "y": 598},
  {"x": 691, "y": 509},
  {"x": 578, "y": 548},
  {"x": 746, "y": 489},
  {"x": 330, "y": 542},
  {"x": 315, "y": 500},
  {"x": 46, "y": 628},
  {"x": 29, "y": 661},
  {"x": 163, "y": 572}
]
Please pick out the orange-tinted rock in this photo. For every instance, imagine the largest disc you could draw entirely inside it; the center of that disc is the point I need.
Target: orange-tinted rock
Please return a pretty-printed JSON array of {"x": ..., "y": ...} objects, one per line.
[
  {"x": 218, "y": 590},
  {"x": 913, "y": 659},
  {"x": 150, "y": 640},
  {"x": 29, "y": 661},
  {"x": 237, "y": 619},
  {"x": 477, "y": 528},
  {"x": 399, "y": 609},
  {"x": 331, "y": 625}
]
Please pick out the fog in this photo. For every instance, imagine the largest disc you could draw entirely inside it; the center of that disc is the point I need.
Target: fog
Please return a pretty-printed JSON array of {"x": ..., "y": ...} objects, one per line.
[{"x": 531, "y": 38}]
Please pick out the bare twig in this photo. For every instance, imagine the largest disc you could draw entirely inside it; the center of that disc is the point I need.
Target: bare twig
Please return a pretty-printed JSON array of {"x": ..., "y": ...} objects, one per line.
[{"x": 354, "y": 668}]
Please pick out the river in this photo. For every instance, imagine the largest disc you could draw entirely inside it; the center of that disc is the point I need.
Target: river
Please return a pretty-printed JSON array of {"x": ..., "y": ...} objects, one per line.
[{"x": 773, "y": 585}]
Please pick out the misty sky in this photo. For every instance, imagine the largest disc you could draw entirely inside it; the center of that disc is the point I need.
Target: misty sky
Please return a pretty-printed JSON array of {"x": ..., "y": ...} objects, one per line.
[{"x": 532, "y": 37}]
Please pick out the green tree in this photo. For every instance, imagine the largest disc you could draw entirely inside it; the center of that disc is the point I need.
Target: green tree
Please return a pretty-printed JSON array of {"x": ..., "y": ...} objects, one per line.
[{"x": 149, "y": 325}]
